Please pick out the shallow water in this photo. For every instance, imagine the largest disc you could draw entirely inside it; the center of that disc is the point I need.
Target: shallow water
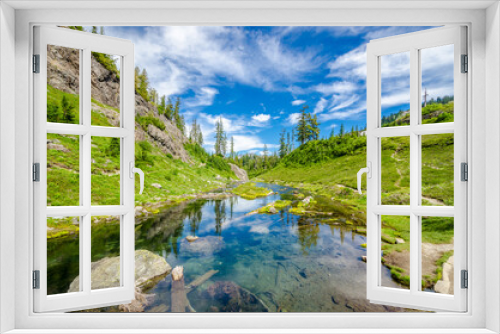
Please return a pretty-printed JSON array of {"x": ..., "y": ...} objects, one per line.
[{"x": 282, "y": 261}]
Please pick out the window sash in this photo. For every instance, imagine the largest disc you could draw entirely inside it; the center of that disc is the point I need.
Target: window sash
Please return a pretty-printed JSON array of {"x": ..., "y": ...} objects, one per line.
[
  {"x": 86, "y": 297},
  {"x": 414, "y": 298}
]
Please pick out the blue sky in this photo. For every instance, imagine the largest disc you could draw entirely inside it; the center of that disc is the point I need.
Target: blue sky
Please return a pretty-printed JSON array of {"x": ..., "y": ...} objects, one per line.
[{"x": 257, "y": 78}]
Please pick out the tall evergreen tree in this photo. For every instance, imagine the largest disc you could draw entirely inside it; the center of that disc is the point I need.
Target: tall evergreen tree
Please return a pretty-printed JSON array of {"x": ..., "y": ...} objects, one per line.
[
  {"x": 283, "y": 145},
  {"x": 193, "y": 133},
  {"x": 232, "y": 147},
  {"x": 68, "y": 110},
  {"x": 169, "y": 110},
  {"x": 199, "y": 140},
  {"x": 302, "y": 130},
  {"x": 341, "y": 134},
  {"x": 288, "y": 143},
  {"x": 94, "y": 29}
]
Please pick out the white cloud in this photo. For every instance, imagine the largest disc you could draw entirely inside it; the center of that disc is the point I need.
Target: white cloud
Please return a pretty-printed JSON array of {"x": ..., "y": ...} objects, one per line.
[
  {"x": 344, "y": 103},
  {"x": 248, "y": 143},
  {"x": 320, "y": 106},
  {"x": 204, "y": 97},
  {"x": 298, "y": 102},
  {"x": 337, "y": 87},
  {"x": 260, "y": 120},
  {"x": 261, "y": 117},
  {"x": 293, "y": 118},
  {"x": 183, "y": 58},
  {"x": 346, "y": 114}
]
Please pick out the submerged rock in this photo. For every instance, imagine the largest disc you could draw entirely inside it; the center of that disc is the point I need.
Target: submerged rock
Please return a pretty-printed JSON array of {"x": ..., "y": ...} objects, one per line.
[
  {"x": 204, "y": 246},
  {"x": 149, "y": 267},
  {"x": 234, "y": 298},
  {"x": 191, "y": 238}
]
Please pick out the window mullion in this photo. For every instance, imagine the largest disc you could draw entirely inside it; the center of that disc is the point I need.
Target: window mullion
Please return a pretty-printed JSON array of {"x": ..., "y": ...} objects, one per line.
[
  {"x": 414, "y": 171},
  {"x": 85, "y": 231}
]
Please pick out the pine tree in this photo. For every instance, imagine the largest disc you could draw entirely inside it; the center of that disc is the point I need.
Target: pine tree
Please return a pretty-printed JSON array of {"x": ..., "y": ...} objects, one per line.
[
  {"x": 302, "y": 130},
  {"x": 199, "y": 140},
  {"x": 232, "y": 147},
  {"x": 218, "y": 138},
  {"x": 137, "y": 78},
  {"x": 265, "y": 152},
  {"x": 312, "y": 127},
  {"x": 94, "y": 29},
  {"x": 283, "y": 145},
  {"x": 179, "y": 120},
  {"x": 288, "y": 143},
  {"x": 193, "y": 133},
  {"x": 162, "y": 106},
  {"x": 341, "y": 134},
  {"x": 54, "y": 113},
  {"x": 169, "y": 110},
  {"x": 144, "y": 85},
  {"x": 67, "y": 110},
  {"x": 293, "y": 140},
  {"x": 224, "y": 145}
]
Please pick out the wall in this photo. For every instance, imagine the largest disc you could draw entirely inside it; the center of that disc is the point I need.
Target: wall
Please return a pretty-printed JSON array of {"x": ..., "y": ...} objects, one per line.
[
  {"x": 492, "y": 163},
  {"x": 7, "y": 161}
]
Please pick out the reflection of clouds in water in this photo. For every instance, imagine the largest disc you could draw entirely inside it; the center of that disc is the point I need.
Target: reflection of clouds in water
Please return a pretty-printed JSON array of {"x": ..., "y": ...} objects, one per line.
[{"x": 261, "y": 229}]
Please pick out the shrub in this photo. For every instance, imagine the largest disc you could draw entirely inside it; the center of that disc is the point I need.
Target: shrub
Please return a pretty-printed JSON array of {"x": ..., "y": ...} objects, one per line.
[{"x": 144, "y": 121}]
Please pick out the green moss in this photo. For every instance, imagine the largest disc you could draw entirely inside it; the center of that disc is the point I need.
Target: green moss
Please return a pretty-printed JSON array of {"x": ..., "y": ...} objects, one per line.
[{"x": 250, "y": 191}]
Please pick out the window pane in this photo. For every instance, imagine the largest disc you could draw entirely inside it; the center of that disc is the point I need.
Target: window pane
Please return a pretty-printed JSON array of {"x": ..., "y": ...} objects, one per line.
[
  {"x": 437, "y": 254},
  {"x": 106, "y": 171},
  {"x": 395, "y": 89},
  {"x": 395, "y": 168},
  {"x": 396, "y": 250},
  {"x": 63, "y": 255},
  {"x": 437, "y": 169},
  {"x": 63, "y": 170},
  {"x": 105, "y": 89},
  {"x": 437, "y": 84},
  {"x": 63, "y": 85},
  {"x": 105, "y": 236}
]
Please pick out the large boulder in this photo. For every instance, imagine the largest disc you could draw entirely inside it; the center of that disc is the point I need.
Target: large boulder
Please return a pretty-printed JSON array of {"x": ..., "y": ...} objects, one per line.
[
  {"x": 149, "y": 267},
  {"x": 240, "y": 173},
  {"x": 170, "y": 141}
]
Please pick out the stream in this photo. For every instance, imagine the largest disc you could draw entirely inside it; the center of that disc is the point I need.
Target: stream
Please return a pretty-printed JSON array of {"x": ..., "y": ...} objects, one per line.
[{"x": 287, "y": 266}]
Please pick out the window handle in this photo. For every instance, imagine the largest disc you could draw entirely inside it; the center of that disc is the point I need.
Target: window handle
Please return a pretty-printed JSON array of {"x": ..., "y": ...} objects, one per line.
[
  {"x": 368, "y": 171},
  {"x": 134, "y": 170}
]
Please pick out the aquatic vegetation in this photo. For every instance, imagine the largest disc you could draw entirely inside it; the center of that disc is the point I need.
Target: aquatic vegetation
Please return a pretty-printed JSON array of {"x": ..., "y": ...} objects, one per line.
[{"x": 251, "y": 191}]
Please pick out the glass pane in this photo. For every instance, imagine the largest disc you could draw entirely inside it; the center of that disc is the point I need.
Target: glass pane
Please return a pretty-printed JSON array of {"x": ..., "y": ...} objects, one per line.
[
  {"x": 63, "y": 255},
  {"x": 105, "y": 236},
  {"x": 63, "y": 170},
  {"x": 395, "y": 168},
  {"x": 437, "y": 84},
  {"x": 437, "y": 169},
  {"x": 396, "y": 250},
  {"x": 63, "y": 85},
  {"x": 395, "y": 89},
  {"x": 437, "y": 254},
  {"x": 105, "y": 89},
  {"x": 106, "y": 171}
]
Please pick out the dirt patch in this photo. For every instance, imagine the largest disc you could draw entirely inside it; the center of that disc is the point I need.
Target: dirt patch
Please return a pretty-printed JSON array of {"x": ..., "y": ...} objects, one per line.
[{"x": 431, "y": 253}]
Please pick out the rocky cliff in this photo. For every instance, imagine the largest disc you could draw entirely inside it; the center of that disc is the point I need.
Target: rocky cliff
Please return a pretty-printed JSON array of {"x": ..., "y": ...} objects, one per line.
[{"x": 63, "y": 73}]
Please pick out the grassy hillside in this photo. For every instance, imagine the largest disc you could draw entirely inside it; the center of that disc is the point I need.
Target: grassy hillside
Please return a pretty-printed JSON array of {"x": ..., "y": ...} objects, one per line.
[
  {"x": 172, "y": 177},
  {"x": 328, "y": 167}
]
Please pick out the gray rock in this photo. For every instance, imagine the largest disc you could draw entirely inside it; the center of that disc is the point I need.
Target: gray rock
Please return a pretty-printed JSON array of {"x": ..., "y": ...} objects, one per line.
[
  {"x": 399, "y": 241},
  {"x": 106, "y": 272},
  {"x": 240, "y": 173},
  {"x": 157, "y": 185},
  {"x": 307, "y": 200},
  {"x": 57, "y": 147},
  {"x": 272, "y": 209}
]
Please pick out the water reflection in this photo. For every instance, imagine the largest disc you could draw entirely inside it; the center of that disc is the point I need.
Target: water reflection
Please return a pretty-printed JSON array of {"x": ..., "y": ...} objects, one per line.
[{"x": 281, "y": 262}]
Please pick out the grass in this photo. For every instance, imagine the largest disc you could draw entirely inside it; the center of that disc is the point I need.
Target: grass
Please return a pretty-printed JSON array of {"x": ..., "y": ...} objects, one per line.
[
  {"x": 177, "y": 179},
  {"x": 250, "y": 191}
]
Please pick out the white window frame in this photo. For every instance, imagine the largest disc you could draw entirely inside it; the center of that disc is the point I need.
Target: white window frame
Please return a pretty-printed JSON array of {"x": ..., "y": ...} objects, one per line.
[
  {"x": 413, "y": 43},
  {"x": 483, "y": 50},
  {"x": 85, "y": 43}
]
